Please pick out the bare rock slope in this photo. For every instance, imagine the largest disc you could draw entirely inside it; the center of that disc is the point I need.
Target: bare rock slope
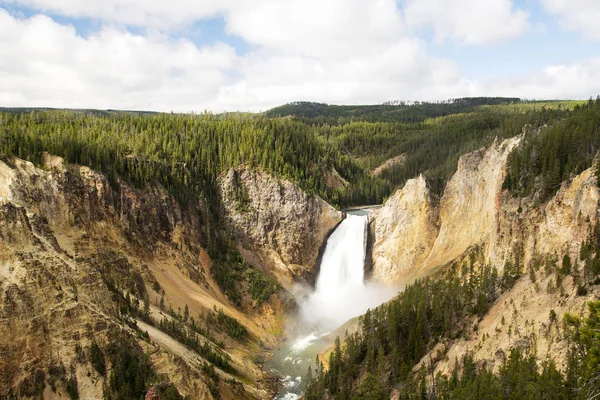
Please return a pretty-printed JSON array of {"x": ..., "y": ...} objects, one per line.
[
  {"x": 76, "y": 249},
  {"x": 282, "y": 225},
  {"x": 414, "y": 238}
]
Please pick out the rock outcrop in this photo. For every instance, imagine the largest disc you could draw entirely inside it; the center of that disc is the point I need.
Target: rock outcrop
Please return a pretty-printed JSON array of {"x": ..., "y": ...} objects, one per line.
[
  {"x": 74, "y": 245},
  {"x": 469, "y": 206},
  {"x": 413, "y": 238},
  {"x": 403, "y": 231},
  {"x": 283, "y": 226},
  {"x": 558, "y": 226},
  {"x": 392, "y": 162}
]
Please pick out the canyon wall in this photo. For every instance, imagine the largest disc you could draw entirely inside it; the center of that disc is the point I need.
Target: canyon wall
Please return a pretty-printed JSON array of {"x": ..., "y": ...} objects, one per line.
[
  {"x": 414, "y": 238},
  {"x": 280, "y": 224},
  {"x": 74, "y": 246}
]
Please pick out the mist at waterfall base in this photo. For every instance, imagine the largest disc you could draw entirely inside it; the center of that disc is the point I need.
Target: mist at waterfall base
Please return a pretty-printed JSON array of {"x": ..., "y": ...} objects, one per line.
[{"x": 340, "y": 294}]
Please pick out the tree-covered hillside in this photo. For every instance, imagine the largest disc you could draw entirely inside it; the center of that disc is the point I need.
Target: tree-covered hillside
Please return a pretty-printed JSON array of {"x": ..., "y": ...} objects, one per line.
[
  {"x": 392, "y": 111},
  {"x": 381, "y": 356},
  {"x": 186, "y": 153},
  {"x": 550, "y": 156}
]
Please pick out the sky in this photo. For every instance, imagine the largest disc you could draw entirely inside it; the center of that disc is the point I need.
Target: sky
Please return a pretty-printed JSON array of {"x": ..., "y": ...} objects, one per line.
[{"x": 251, "y": 55}]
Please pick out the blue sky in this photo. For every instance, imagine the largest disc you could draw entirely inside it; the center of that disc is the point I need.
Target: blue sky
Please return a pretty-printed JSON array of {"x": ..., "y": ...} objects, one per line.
[{"x": 240, "y": 55}]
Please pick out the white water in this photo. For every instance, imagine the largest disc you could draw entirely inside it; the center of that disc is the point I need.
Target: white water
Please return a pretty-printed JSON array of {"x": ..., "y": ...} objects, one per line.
[{"x": 340, "y": 294}]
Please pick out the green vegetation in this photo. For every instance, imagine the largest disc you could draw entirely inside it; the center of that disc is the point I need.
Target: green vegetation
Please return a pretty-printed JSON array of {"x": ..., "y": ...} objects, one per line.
[
  {"x": 231, "y": 325},
  {"x": 394, "y": 337},
  {"x": 72, "y": 387},
  {"x": 305, "y": 143},
  {"x": 166, "y": 391},
  {"x": 179, "y": 331},
  {"x": 548, "y": 157},
  {"x": 186, "y": 153},
  {"x": 518, "y": 378},
  {"x": 388, "y": 112},
  {"x": 131, "y": 373},
  {"x": 533, "y": 105},
  {"x": 183, "y": 153},
  {"x": 230, "y": 270},
  {"x": 432, "y": 147},
  {"x": 97, "y": 359},
  {"x": 262, "y": 286}
]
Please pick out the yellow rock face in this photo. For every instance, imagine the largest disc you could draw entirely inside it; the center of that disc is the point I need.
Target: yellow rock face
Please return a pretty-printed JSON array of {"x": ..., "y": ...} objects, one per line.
[{"x": 412, "y": 238}]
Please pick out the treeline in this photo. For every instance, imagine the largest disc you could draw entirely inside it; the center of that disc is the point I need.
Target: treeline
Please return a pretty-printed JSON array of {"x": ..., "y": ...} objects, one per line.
[
  {"x": 432, "y": 147},
  {"x": 388, "y": 112},
  {"x": 550, "y": 156},
  {"x": 131, "y": 373},
  {"x": 184, "y": 153},
  {"x": 520, "y": 377},
  {"x": 232, "y": 273},
  {"x": 190, "y": 339}
]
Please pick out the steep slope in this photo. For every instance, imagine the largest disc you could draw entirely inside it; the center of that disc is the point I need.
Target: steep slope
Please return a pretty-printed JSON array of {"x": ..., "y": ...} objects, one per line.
[
  {"x": 530, "y": 315},
  {"x": 475, "y": 211},
  {"x": 87, "y": 261},
  {"x": 478, "y": 223},
  {"x": 403, "y": 231},
  {"x": 283, "y": 226},
  {"x": 413, "y": 237},
  {"x": 490, "y": 279}
]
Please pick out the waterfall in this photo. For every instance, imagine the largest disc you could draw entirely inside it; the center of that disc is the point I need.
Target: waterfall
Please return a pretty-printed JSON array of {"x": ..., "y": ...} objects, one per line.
[{"x": 341, "y": 292}]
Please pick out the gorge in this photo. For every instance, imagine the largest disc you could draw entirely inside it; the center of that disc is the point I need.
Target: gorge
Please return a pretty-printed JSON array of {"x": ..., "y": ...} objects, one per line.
[{"x": 211, "y": 256}]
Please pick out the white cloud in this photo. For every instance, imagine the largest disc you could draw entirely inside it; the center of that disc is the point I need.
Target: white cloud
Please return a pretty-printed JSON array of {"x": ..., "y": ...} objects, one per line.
[
  {"x": 577, "y": 15},
  {"x": 336, "y": 51},
  {"x": 360, "y": 54},
  {"x": 562, "y": 81},
  {"x": 404, "y": 71},
  {"x": 147, "y": 13},
  {"x": 43, "y": 63},
  {"x": 473, "y": 22},
  {"x": 317, "y": 28}
]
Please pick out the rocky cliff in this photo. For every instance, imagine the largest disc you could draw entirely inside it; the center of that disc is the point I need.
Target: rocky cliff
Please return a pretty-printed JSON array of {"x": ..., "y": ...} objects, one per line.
[
  {"x": 403, "y": 231},
  {"x": 430, "y": 236},
  {"x": 414, "y": 238},
  {"x": 81, "y": 256},
  {"x": 280, "y": 224}
]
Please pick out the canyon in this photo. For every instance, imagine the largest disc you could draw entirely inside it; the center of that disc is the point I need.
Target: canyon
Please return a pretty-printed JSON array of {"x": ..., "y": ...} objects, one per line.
[{"x": 74, "y": 243}]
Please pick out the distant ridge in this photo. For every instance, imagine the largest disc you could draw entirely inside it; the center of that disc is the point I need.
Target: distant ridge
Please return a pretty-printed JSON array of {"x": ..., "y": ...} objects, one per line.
[
  {"x": 82, "y": 110},
  {"x": 399, "y": 111}
]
